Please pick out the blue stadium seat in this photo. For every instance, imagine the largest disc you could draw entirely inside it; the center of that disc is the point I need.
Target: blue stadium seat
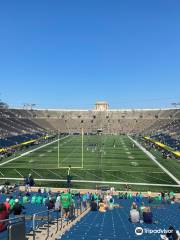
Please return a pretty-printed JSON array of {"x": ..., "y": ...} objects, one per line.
[{"x": 114, "y": 225}]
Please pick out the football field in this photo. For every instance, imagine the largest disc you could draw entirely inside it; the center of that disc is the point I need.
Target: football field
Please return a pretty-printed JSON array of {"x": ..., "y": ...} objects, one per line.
[{"x": 98, "y": 159}]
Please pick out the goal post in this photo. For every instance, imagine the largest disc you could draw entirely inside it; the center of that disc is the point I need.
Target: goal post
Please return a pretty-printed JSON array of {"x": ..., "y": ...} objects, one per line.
[{"x": 82, "y": 136}]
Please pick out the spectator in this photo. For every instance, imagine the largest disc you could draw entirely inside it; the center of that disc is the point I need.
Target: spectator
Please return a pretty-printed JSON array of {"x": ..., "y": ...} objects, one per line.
[
  {"x": 72, "y": 210},
  {"x": 173, "y": 234},
  {"x": 134, "y": 216},
  {"x": 39, "y": 199},
  {"x": 33, "y": 199},
  {"x": 102, "y": 206},
  {"x": 7, "y": 205},
  {"x": 58, "y": 204},
  {"x": 142, "y": 209},
  {"x": 50, "y": 204},
  {"x": 147, "y": 215},
  {"x": 11, "y": 202},
  {"x": 17, "y": 208},
  {"x": 29, "y": 181},
  {"x": 66, "y": 199},
  {"x": 134, "y": 206},
  {"x": 110, "y": 203},
  {"x": 25, "y": 199},
  {"x": 93, "y": 205},
  {"x": 84, "y": 200},
  {"x": 3, "y": 216}
]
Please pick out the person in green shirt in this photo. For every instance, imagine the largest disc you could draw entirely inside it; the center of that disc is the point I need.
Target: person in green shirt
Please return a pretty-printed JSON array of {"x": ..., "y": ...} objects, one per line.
[
  {"x": 66, "y": 199},
  {"x": 39, "y": 199},
  {"x": 44, "y": 200},
  {"x": 11, "y": 202},
  {"x": 25, "y": 199},
  {"x": 33, "y": 199}
]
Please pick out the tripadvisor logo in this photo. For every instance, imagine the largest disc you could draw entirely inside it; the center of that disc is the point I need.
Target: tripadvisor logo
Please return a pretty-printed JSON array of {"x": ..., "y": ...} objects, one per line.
[{"x": 139, "y": 231}]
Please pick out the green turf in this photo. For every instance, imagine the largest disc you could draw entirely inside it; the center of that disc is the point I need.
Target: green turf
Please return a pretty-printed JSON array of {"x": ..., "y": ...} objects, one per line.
[{"x": 114, "y": 159}]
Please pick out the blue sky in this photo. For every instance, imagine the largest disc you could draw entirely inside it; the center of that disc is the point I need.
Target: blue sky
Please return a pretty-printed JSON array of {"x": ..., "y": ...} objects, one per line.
[{"x": 67, "y": 53}]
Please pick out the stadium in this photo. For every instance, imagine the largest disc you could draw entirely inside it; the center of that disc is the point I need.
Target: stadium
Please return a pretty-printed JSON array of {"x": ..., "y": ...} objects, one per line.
[
  {"x": 100, "y": 145},
  {"x": 89, "y": 120},
  {"x": 99, "y": 150}
]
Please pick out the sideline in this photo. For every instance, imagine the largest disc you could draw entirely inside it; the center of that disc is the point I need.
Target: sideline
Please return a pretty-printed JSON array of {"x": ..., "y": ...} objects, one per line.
[
  {"x": 100, "y": 182},
  {"x": 26, "y": 153},
  {"x": 154, "y": 160}
]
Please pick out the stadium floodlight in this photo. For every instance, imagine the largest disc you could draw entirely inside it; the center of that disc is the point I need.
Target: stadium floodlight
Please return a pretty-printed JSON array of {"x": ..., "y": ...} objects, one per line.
[
  {"x": 175, "y": 104},
  {"x": 29, "y": 106}
]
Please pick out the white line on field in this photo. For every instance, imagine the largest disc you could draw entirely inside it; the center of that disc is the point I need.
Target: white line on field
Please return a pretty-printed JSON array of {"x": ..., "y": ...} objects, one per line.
[
  {"x": 77, "y": 175},
  {"x": 119, "y": 178},
  {"x": 32, "y": 170},
  {"x": 132, "y": 171},
  {"x": 57, "y": 175},
  {"x": 18, "y": 172},
  {"x": 154, "y": 160},
  {"x": 1, "y": 173},
  {"x": 99, "y": 182},
  {"x": 26, "y": 153}
]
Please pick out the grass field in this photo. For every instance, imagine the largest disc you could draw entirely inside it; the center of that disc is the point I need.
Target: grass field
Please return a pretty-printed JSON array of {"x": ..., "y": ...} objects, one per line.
[{"x": 106, "y": 158}]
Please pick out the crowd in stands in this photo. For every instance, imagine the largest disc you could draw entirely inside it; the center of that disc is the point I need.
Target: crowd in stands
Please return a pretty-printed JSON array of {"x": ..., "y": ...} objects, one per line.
[
  {"x": 165, "y": 153},
  {"x": 16, "y": 203},
  {"x": 167, "y": 140},
  {"x": 12, "y": 145},
  {"x": 21, "y": 121}
]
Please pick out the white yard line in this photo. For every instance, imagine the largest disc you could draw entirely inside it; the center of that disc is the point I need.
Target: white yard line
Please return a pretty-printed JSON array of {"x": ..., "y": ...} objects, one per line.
[
  {"x": 57, "y": 175},
  {"x": 148, "y": 175},
  {"x": 18, "y": 172},
  {"x": 1, "y": 174},
  {"x": 99, "y": 182},
  {"x": 118, "y": 178},
  {"x": 26, "y": 153},
  {"x": 36, "y": 173},
  {"x": 94, "y": 175},
  {"x": 154, "y": 160},
  {"x": 128, "y": 171},
  {"x": 67, "y": 167}
]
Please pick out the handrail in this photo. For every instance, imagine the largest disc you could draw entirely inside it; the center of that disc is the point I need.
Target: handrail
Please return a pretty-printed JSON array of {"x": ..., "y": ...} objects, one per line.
[
  {"x": 34, "y": 219},
  {"x": 11, "y": 219},
  {"x": 58, "y": 219}
]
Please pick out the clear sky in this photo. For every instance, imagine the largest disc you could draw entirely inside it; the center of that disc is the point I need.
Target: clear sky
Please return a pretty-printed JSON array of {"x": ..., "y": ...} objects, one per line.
[{"x": 71, "y": 53}]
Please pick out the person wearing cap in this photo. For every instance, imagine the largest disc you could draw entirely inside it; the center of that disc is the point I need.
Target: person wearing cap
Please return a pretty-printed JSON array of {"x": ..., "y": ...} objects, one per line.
[{"x": 17, "y": 208}]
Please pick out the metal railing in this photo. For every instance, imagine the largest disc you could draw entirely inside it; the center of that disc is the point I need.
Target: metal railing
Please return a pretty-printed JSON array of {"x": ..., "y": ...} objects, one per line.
[
  {"x": 11, "y": 221},
  {"x": 48, "y": 217},
  {"x": 45, "y": 218}
]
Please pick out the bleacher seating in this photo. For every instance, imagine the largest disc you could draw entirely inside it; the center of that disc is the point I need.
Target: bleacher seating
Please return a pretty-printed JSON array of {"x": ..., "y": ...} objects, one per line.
[
  {"x": 167, "y": 140},
  {"x": 114, "y": 224},
  {"x": 21, "y": 121},
  {"x": 29, "y": 210}
]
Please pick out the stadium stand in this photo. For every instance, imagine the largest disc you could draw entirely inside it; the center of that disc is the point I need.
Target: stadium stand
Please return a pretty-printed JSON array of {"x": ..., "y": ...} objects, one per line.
[
  {"x": 19, "y": 121},
  {"x": 112, "y": 223},
  {"x": 19, "y": 126}
]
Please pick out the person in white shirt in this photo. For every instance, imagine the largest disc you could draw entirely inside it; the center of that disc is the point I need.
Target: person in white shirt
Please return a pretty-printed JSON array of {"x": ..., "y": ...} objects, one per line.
[{"x": 134, "y": 216}]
